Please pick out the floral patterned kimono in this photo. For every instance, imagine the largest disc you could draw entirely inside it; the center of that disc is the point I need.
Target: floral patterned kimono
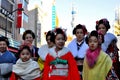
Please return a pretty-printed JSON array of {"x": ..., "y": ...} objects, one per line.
[{"x": 112, "y": 51}]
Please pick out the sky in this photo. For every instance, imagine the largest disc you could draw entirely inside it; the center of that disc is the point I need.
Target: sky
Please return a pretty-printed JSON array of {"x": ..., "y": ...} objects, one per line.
[{"x": 87, "y": 12}]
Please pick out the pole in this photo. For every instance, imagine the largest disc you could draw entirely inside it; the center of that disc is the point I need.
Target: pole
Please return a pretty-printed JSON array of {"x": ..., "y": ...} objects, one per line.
[{"x": 6, "y": 25}]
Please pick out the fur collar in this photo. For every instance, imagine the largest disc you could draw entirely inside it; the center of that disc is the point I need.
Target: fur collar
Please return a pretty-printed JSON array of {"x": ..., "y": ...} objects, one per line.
[
  {"x": 78, "y": 53},
  {"x": 60, "y": 53}
]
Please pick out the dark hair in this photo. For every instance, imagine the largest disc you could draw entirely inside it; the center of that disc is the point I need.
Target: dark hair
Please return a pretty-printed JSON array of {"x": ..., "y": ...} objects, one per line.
[
  {"x": 2, "y": 38},
  {"x": 59, "y": 31},
  {"x": 51, "y": 34},
  {"x": 24, "y": 47},
  {"x": 28, "y": 32},
  {"x": 94, "y": 33},
  {"x": 103, "y": 21},
  {"x": 79, "y": 26}
]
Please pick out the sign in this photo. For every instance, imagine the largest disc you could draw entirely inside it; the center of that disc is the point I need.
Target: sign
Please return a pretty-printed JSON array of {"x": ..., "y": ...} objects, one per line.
[{"x": 19, "y": 16}]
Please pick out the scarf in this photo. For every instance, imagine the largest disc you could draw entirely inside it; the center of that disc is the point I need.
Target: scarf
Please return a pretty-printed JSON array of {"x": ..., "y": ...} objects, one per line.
[
  {"x": 27, "y": 70},
  {"x": 92, "y": 56}
]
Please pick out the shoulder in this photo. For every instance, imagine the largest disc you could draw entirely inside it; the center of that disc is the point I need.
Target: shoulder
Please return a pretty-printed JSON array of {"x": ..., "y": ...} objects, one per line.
[
  {"x": 110, "y": 36},
  {"x": 43, "y": 47},
  {"x": 36, "y": 48},
  {"x": 104, "y": 55},
  {"x": 10, "y": 53},
  {"x": 72, "y": 42}
]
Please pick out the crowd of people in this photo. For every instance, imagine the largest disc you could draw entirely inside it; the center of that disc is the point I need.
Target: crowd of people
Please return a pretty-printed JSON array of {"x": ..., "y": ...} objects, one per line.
[{"x": 89, "y": 56}]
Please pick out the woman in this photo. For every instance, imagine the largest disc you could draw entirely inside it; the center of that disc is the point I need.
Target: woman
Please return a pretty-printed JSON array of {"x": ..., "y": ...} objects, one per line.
[
  {"x": 97, "y": 63},
  {"x": 78, "y": 45},
  {"x": 28, "y": 37},
  {"x": 43, "y": 50},
  {"x": 59, "y": 61},
  {"x": 7, "y": 59},
  {"x": 109, "y": 45}
]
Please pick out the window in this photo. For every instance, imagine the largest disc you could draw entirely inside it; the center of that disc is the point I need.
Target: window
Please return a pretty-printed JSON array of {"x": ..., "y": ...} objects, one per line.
[
  {"x": 25, "y": 17},
  {"x": 7, "y": 5},
  {"x": 25, "y": 3}
]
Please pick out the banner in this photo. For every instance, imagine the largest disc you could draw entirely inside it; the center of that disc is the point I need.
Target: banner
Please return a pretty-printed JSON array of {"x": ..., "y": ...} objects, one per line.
[{"x": 19, "y": 16}]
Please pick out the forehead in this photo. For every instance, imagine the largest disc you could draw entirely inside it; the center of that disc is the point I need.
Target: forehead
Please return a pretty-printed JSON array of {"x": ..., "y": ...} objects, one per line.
[
  {"x": 48, "y": 37},
  {"x": 59, "y": 35},
  {"x": 3, "y": 42},
  {"x": 79, "y": 30},
  {"x": 25, "y": 51},
  {"x": 101, "y": 26},
  {"x": 28, "y": 35},
  {"x": 93, "y": 38}
]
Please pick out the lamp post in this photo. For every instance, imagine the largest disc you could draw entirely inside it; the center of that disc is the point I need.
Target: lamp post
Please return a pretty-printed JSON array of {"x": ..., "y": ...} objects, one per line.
[{"x": 7, "y": 14}]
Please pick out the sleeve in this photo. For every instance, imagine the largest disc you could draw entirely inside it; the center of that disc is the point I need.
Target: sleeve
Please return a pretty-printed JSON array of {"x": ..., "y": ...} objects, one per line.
[
  {"x": 73, "y": 70},
  {"x": 46, "y": 69},
  {"x": 108, "y": 64}
]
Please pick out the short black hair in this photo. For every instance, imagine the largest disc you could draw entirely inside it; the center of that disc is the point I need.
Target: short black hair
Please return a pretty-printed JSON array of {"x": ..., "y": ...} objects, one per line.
[
  {"x": 59, "y": 31},
  {"x": 28, "y": 32},
  {"x": 51, "y": 34},
  {"x": 79, "y": 26},
  {"x": 94, "y": 33},
  {"x": 3, "y": 38},
  {"x": 22, "y": 47}
]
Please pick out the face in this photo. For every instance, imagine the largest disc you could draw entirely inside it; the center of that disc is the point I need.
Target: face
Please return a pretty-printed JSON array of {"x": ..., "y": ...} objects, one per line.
[
  {"x": 25, "y": 55},
  {"x": 29, "y": 38},
  {"x": 50, "y": 44},
  {"x": 3, "y": 46},
  {"x": 100, "y": 39},
  {"x": 79, "y": 35},
  {"x": 102, "y": 28},
  {"x": 93, "y": 42},
  {"x": 59, "y": 41}
]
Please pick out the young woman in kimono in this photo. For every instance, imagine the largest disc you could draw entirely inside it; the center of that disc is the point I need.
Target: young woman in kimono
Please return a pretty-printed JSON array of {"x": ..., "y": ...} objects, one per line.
[
  {"x": 78, "y": 46},
  {"x": 28, "y": 37},
  {"x": 7, "y": 59},
  {"x": 109, "y": 45},
  {"x": 25, "y": 68},
  {"x": 59, "y": 63},
  {"x": 97, "y": 63},
  {"x": 43, "y": 50}
]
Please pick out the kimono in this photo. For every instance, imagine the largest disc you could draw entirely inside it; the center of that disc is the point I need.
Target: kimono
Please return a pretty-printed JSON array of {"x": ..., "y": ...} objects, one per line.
[
  {"x": 34, "y": 54},
  {"x": 28, "y": 70},
  {"x": 110, "y": 47},
  {"x": 42, "y": 52},
  {"x": 100, "y": 70},
  {"x": 78, "y": 54},
  {"x": 7, "y": 59},
  {"x": 60, "y": 66}
]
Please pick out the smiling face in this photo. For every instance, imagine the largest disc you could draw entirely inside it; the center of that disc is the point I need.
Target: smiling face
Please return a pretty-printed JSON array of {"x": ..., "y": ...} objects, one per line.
[
  {"x": 3, "y": 46},
  {"x": 25, "y": 55},
  {"x": 79, "y": 35},
  {"x": 59, "y": 41},
  {"x": 29, "y": 38},
  {"x": 93, "y": 43}
]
